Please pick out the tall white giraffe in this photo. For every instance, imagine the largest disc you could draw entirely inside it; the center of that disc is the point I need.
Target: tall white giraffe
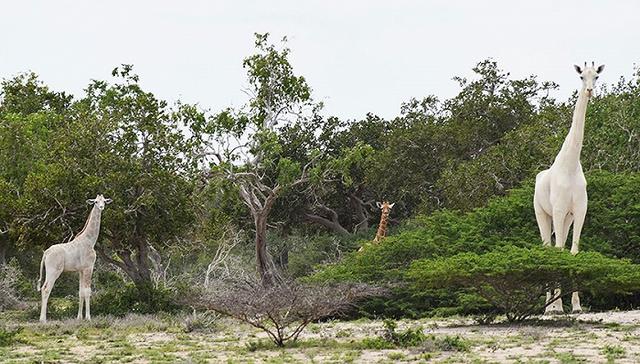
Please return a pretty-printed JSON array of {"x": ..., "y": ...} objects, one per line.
[
  {"x": 77, "y": 255},
  {"x": 560, "y": 197}
]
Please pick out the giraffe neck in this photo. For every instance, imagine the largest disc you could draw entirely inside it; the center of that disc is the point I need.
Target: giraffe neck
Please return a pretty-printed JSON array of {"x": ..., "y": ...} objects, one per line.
[
  {"x": 92, "y": 226},
  {"x": 382, "y": 227},
  {"x": 569, "y": 155}
]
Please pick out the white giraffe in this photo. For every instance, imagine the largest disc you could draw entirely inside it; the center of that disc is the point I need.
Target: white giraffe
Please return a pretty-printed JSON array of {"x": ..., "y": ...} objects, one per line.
[
  {"x": 77, "y": 255},
  {"x": 560, "y": 197}
]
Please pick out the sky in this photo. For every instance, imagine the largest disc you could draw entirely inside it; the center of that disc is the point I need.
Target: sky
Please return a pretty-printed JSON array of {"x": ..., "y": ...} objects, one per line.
[{"x": 359, "y": 56}]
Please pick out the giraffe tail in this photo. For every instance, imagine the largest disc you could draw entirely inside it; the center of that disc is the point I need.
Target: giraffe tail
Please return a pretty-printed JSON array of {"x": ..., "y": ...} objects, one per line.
[{"x": 41, "y": 267}]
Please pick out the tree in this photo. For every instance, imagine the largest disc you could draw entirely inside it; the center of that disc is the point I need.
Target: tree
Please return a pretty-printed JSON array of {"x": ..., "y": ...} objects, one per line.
[
  {"x": 30, "y": 115},
  {"x": 246, "y": 144},
  {"x": 136, "y": 148},
  {"x": 285, "y": 308}
]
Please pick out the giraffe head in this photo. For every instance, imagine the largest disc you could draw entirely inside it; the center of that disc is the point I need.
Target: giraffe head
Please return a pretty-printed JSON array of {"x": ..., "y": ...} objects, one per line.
[
  {"x": 385, "y": 206},
  {"x": 99, "y": 201},
  {"x": 589, "y": 75}
]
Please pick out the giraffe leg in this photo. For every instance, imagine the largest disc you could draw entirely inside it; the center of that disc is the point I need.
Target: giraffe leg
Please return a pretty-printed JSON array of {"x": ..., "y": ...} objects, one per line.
[
  {"x": 52, "y": 276},
  {"x": 86, "y": 289},
  {"x": 567, "y": 226},
  {"x": 544, "y": 224},
  {"x": 577, "y": 230},
  {"x": 80, "y": 301},
  {"x": 560, "y": 219}
]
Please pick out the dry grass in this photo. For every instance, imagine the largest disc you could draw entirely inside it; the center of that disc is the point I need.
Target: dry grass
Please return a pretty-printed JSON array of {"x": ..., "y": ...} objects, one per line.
[{"x": 613, "y": 337}]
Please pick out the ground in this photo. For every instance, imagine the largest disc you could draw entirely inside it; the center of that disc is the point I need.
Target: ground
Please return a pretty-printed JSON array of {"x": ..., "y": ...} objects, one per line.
[{"x": 586, "y": 338}]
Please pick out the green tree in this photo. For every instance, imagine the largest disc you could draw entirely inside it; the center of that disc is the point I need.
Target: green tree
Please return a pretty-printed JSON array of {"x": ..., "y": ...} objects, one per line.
[
  {"x": 121, "y": 141},
  {"x": 135, "y": 148},
  {"x": 30, "y": 114},
  {"x": 245, "y": 143}
]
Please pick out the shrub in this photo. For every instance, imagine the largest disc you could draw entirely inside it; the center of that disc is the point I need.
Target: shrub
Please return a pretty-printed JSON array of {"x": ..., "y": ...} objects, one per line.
[
  {"x": 8, "y": 336},
  {"x": 130, "y": 298},
  {"x": 200, "y": 322},
  {"x": 9, "y": 277},
  {"x": 514, "y": 280},
  {"x": 285, "y": 308},
  {"x": 451, "y": 343},
  {"x": 613, "y": 352},
  {"x": 407, "y": 338},
  {"x": 413, "y": 337}
]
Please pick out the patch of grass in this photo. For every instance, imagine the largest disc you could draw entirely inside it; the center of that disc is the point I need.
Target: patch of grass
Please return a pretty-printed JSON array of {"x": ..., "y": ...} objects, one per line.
[
  {"x": 396, "y": 356},
  {"x": 343, "y": 333},
  {"x": 532, "y": 334},
  {"x": 447, "y": 343},
  {"x": 613, "y": 352},
  {"x": 200, "y": 322},
  {"x": 569, "y": 358},
  {"x": 374, "y": 343},
  {"x": 407, "y": 338},
  {"x": 8, "y": 336}
]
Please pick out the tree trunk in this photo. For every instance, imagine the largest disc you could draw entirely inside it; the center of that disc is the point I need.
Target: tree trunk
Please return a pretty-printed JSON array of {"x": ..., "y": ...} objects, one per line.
[
  {"x": 4, "y": 246},
  {"x": 360, "y": 212},
  {"x": 283, "y": 258},
  {"x": 143, "y": 262},
  {"x": 329, "y": 224},
  {"x": 262, "y": 257},
  {"x": 139, "y": 273}
]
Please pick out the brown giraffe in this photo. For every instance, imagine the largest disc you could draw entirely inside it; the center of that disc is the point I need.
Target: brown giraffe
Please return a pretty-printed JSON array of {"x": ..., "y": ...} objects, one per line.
[{"x": 385, "y": 206}]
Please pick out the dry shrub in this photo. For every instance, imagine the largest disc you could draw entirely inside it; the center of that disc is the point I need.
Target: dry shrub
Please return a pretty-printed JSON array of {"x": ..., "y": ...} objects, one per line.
[
  {"x": 9, "y": 277},
  {"x": 283, "y": 309}
]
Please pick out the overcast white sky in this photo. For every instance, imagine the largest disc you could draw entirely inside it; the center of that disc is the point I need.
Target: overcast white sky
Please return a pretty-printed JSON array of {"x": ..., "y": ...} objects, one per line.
[{"x": 359, "y": 56}]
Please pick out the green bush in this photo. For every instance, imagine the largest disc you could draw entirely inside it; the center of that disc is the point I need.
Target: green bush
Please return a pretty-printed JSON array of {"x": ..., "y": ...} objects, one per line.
[
  {"x": 515, "y": 280},
  {"x": 130, "y": 298},
  {"x": 391, "y": 338},
  {"x": 445, "y": 233},
  {"x": 8, "y": 336},
  {"x": 407, "y": 338}
]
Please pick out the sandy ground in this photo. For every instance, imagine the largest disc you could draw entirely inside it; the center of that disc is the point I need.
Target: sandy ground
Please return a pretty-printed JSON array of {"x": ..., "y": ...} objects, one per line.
[{"x": 584, "y": 338}]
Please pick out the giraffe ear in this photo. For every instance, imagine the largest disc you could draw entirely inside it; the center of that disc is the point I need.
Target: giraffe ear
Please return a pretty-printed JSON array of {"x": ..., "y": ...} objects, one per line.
[
  {"x": 378, "y": 204},
  {"x": 91, "y": 201},
  {"x": 578, "y": 69},
  {"x": 108, "y": 201},
  {"x": 391, "y": 205},
  {"x": 600, "y": 68}
]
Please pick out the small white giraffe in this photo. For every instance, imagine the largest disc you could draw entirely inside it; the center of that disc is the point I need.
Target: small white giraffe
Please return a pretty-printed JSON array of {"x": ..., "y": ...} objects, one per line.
[
  {"x": 560, "y": 197},
  {"x": 77, "y": 255}
]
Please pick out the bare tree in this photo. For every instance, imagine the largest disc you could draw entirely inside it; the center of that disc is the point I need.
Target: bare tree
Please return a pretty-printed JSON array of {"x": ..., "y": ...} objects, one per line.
[
  {"x": 219, "y": 262},
  {"x": 9, "y": 276},
  {"x": 283, "y": 309}
]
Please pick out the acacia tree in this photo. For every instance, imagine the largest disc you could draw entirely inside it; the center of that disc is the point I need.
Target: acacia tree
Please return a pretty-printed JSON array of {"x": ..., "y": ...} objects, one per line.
[{"x": 246, "y": 144}]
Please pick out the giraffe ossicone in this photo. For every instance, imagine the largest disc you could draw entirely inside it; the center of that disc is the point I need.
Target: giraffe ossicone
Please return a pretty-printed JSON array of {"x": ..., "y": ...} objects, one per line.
[
  {"x": 78, "y": 255},
  {"x": 560, "y": 197}
]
